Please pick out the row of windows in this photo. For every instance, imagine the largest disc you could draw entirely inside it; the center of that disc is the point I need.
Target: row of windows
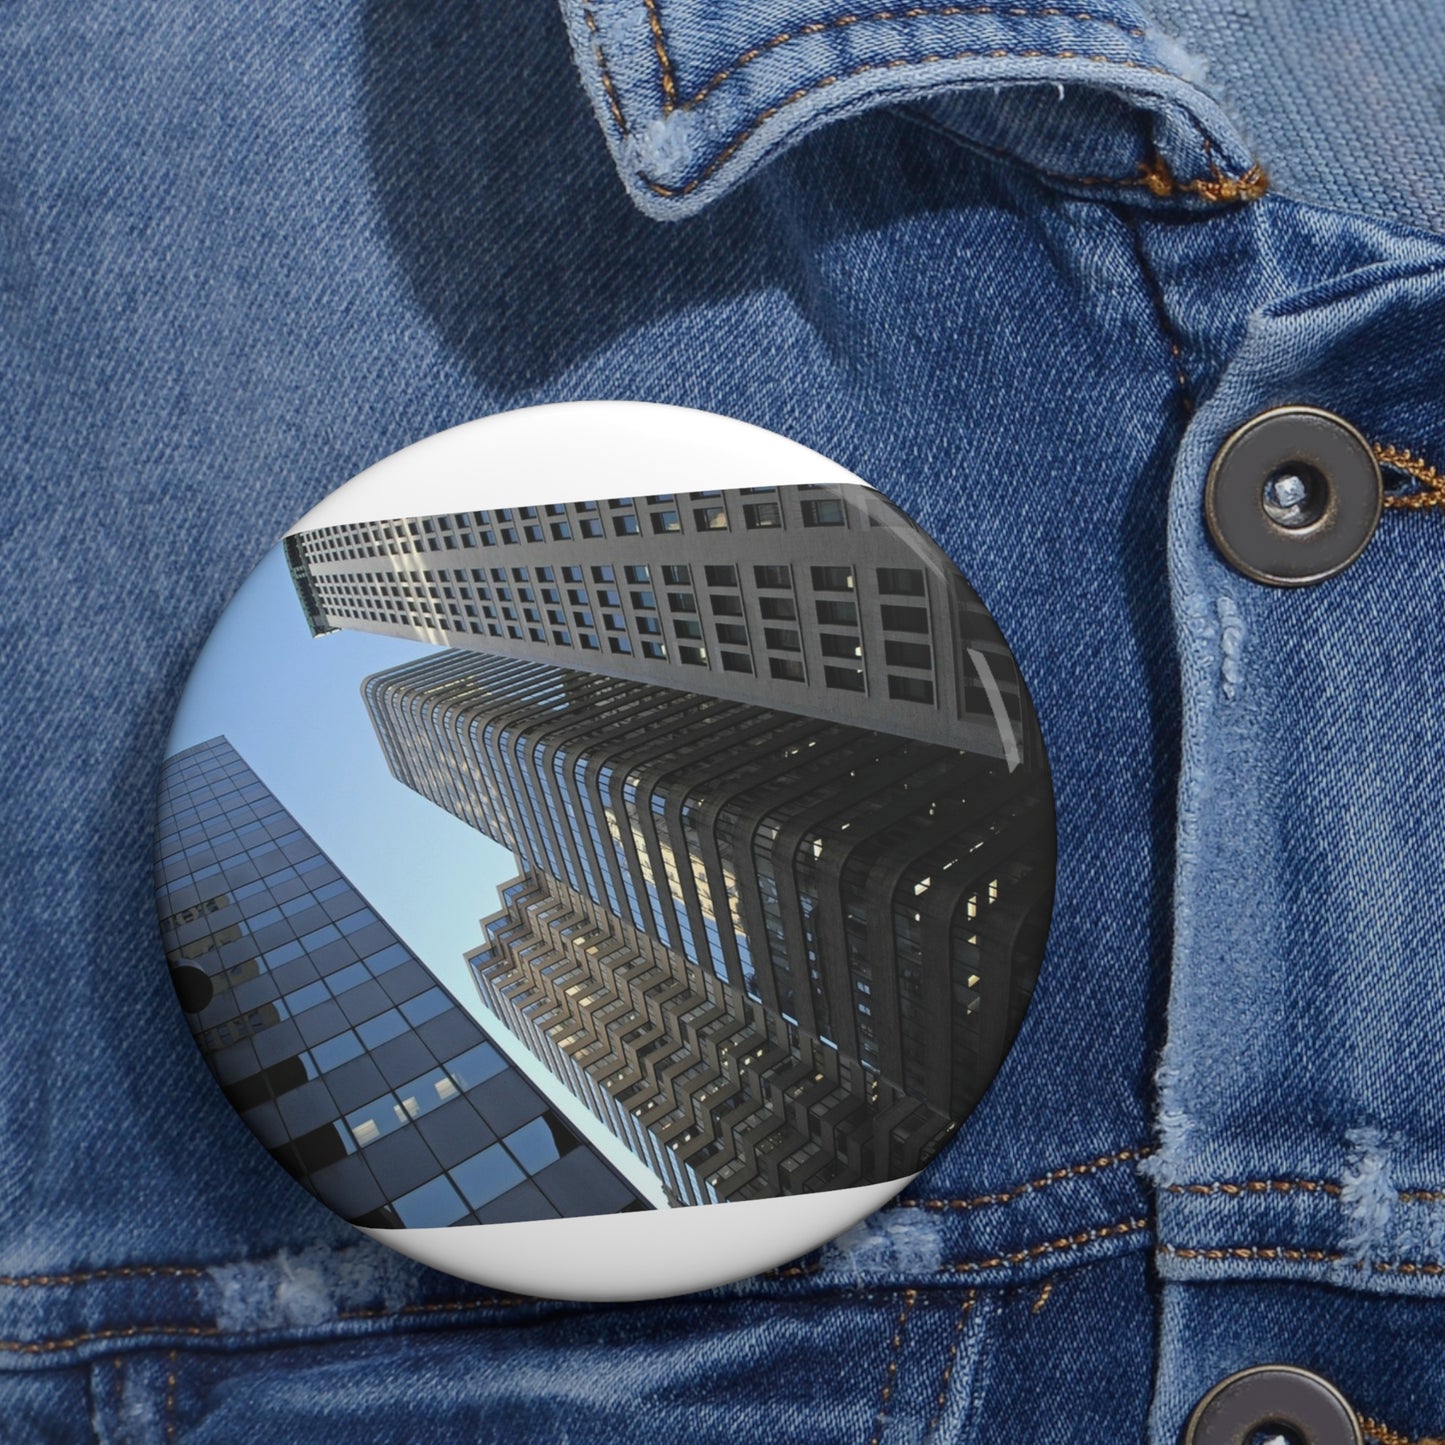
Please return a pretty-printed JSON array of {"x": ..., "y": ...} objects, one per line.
[{"x": 507, "y": 526}]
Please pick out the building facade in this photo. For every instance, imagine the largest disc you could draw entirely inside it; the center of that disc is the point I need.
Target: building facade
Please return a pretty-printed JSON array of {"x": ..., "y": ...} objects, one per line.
[
  {"x": 359, "y": 1072},
  {"x": 880, "y": 897},
  {"x": 821, "y": 600},
  {"x": 722, "y": 1097}
]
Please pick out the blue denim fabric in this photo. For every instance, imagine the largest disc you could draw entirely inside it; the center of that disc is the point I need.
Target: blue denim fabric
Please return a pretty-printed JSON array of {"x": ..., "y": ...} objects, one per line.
[{"x": 247, "y": 253}]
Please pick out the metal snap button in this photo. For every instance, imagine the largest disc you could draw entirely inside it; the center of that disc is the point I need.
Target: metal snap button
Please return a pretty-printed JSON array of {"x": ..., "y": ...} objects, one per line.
[
  {"x": 1279, "y": 1401},
  {"x": 1293, "y": 496}
]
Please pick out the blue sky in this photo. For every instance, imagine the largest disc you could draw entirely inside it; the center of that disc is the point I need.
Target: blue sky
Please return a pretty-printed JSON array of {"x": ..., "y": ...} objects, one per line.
[{"x": 291, "y": 706}]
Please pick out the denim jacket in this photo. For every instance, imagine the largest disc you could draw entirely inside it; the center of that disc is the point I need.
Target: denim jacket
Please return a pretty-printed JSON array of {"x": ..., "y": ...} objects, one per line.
[{"x": 1022, "y": 267}]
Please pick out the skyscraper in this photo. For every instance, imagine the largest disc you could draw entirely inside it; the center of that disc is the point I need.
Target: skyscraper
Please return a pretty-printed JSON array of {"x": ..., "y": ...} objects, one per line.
[
  {"x": 821, "y": 600},
  {"x": 721, "y": 1096},
  {"x": 874, "y": 896},
  {"x": 360, "y": 1073}
]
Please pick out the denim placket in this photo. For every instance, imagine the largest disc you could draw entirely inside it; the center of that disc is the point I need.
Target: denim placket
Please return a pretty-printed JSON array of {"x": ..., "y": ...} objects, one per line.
[{"x": 1299, "y": 1138}]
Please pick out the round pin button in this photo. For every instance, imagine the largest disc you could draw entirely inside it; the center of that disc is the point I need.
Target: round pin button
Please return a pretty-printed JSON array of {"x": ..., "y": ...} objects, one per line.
[
  {"x": 1280, "y": 1400},
  {"x": 1293, "y": 496},
  {"x": 595, "y": 889}
]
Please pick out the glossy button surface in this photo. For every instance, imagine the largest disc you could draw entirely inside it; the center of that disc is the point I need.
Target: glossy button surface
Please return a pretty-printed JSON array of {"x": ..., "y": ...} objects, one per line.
[
  {"x": 597, "y": 890},
  {"x": 1293, "y": 496},
  {"x": 1279, "y": 1399}
]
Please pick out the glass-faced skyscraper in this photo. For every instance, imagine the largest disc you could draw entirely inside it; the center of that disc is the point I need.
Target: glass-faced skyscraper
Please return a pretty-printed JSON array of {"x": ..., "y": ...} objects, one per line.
[{"x": 362, "y": 1075}]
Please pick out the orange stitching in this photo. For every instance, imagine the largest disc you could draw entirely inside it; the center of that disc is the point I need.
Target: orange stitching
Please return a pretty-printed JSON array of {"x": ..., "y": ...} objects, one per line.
[
  {"x": 1386, "y": 1436},
  {"x": 1218, "y": 189},
  {"x": 1054, "y": 1176},
  {"x": 29, "y": 1281},
  {"x": 1432, "y": 482},
  {"x": 1259, "y": 1186},
  {"x": 914, "y": 12},
  {"x": 659, "y": 46},
  {"x": 1043, "y": 1298},
  {"x": 1053, "y": 1246},
  {"x": 41, "y": 1347},
  {"x": 1252, "y": 1251},
  {"x": 171, "y": 1398},
  {"x": 1296, "y": 1255},
  {"x": 1237, "y": 1189},
  {"x": 910, "y": 1298},
  {"x": 612, "y": 99},
  {"x": 942, "y": 1399},
  {"x": 130, "y": 1332}
]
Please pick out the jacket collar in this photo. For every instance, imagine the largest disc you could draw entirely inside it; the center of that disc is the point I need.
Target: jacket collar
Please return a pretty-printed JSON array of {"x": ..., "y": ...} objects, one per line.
[{"x": 694, "y": 96}]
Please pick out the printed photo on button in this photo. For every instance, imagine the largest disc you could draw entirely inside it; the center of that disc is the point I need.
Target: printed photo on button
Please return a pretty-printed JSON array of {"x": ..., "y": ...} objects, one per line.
[{"x": 612, "y": 854}]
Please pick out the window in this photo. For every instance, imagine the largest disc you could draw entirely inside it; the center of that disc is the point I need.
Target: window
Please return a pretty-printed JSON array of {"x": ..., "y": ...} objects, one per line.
[
  {"x": 591, "y": 526},
  {"x": 783, "y": 639},
  {"x": 687, "y": 627},
  {"x": 731, "y": 632},
  {"x": 779, "y": 609},
  {"x": 910, "y": 689},
  {"x": 840, "y": 644},
  {"x": 638, "y": 575},
  {"x": 620, "y": 644},
  {"x": 710, "y": 519},
  {"x": 677, "y": 576},
  {"x": 666, "y": 522},
  {"x": 682, "y": 601},
  {"x": 625, "y": 524},
  {"x": 837, "y": 614},
  {"x": 789, "y": 669},
  {"x": 902, "y": 619},
  {"x": 736, "y": 662},
  {"x": 475, "y": 1066},
  {"x": 908, "y": 654},
  {"x": 650, "y": 625},
  {"x": 757, "y": 515},
  {"x": 721, "y": 576},
  {"x": 603, "y": 573},
  {"x": 561, "y": 531},
  {"x": 826, "y": 513},
  {"x": 774, "y": 577},
  {"x": 487, "y": 1175},
  {"x": 694, "y": 656},
  {"x": 900, "y": 581},
  {"x": 725, "y": 604},
  {"x": 848, "y": 679},
  {"x": 426, "y": 1006},
  {"x": 833, "y": 579},
  {"x": 655, "y": 650}
]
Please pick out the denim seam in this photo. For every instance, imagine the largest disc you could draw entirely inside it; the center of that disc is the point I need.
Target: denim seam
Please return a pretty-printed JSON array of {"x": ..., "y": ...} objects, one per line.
[
  {"x": 1054, "y": 1176},
  {"x": 950, "y": 1360},
  {"x": 890, "y": 1375},
  {"x": 1235, "y": 1189},
  {"x": 1052, "y": 1246},
  {"x": 1297, "y": 1255},
  {"x": 1044, "y": 1296}
]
